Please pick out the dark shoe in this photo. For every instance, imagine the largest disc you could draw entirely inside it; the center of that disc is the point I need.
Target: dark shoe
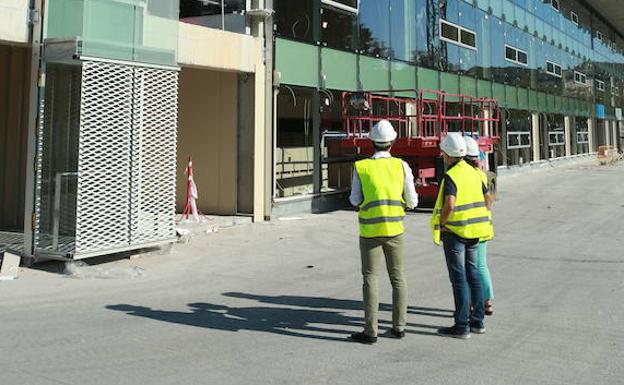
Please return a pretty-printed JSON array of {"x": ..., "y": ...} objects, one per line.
[
  {"x": 362, "y": 338},
  {"x": 477, "y": 327},
  {"x": 489, "y": 308},
  {"x": 397, "y": 333},
  {"x": 454, "y": 332}
]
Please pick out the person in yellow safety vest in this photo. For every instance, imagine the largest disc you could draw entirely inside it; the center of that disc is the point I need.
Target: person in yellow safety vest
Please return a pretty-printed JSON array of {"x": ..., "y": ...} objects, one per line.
[
  {"x": 460, "y": 218},
  {"x": 382, "y": 187},
  {"x": 472, "y": 158}
]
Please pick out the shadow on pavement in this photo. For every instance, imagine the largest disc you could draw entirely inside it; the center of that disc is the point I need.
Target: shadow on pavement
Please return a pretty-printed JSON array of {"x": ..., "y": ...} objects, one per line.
[
  {"x": 302, "y": 321},
  {"x": 332, "y": 303},
  {"x": 284, "y": 321}
]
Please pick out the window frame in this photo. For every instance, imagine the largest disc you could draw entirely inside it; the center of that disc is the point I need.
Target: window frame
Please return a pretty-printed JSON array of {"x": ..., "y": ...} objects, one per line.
[
  {"x": 554, "y": 71},
  {"x": 341, "y": 6},
  {"x": 559, "y": 138},
  {"x": 517, "y": 50},
  {"x": 552, "y": 4},
  {"x": 460, "y": 29},
  {"x": 599, "y": 35},
  {"x": 519, "y": 135},
  {"x": 574, "y": 17},
  {"x": 580, "y": 74},
  {"x": 582, "y": 137},
  {"x": 600, "y": 85}
]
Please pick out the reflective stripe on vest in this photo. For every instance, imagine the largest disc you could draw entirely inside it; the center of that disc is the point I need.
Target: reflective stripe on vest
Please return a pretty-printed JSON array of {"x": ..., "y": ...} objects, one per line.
[
  {"x": 470, "y": 218},
  {"x": 382, "y": 211}
]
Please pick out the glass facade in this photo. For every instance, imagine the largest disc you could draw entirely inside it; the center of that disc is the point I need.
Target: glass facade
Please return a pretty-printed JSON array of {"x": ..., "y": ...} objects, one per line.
[{"x": 572, "y": 38}]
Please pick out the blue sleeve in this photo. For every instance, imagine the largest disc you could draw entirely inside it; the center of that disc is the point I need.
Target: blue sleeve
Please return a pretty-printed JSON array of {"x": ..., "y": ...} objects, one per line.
[{"x": 450, "y": 188}]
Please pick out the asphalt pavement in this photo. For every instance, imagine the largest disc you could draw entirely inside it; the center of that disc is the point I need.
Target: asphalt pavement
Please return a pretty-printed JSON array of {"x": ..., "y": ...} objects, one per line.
[{"x": 273, "y": 303}]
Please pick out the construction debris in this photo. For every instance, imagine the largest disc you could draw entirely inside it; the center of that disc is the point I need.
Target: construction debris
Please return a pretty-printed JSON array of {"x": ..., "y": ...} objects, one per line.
[
  {"x": 81, "y": 270},
  {"x": 9, "y": 269}
]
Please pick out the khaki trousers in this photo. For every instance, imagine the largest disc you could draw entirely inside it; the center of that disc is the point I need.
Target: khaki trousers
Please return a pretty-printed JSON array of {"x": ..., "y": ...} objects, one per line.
[{"x": 371, "y": 250}]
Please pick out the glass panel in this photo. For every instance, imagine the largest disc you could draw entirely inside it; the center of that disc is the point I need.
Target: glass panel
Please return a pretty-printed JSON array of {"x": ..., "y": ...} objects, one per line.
[
  {"x": 294, "y": 155},
  {"x": 427, "y": 40},
  {"x": 135, "y": 30},
  {"x": 230, "y": 17},
  {"x": 374, "y": 22},
  {"x": 468, "y": 38},
  {"x": 338, "y": 29},
  {"x": 509, "y": 11},
  {"x": 510, "y": 53},
  {"x": 522, "y": 57},
  {"x": 450, "y": 32},
  {"x": 403, "y": 30},
  {"x": 56, "y": 193},
  {"x": 294, "y": 19}
]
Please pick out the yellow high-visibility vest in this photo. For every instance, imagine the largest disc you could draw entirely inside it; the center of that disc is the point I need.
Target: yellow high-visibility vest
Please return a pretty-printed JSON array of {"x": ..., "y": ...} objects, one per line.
[
  {"x": 484, "y": 179},
  {"x": 470, "y": 218},
  {"x": 382, "y": 211}
]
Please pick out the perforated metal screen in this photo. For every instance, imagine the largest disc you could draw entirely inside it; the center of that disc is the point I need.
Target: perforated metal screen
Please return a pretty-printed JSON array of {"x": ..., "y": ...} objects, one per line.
[
  {"x": 125, "y": 189},
  {"x": 153, "y": 155},
  {"x": 104, "y": 157}
]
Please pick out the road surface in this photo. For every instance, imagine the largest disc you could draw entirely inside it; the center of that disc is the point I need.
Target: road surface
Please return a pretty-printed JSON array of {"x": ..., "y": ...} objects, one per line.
[{"x": 273, "y": 303}]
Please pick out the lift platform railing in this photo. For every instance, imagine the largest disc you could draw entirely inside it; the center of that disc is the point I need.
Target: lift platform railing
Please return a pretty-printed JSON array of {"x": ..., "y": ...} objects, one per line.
[{"x": 429, "y": 114}]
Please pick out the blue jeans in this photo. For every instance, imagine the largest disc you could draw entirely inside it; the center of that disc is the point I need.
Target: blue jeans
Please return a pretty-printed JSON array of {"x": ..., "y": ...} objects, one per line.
[{"x": 461, "y": 261}]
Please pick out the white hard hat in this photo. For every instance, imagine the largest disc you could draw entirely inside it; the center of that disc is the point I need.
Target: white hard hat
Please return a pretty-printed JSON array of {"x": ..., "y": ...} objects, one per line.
[
  {"x": 382, "y": 132},
  {"x": 454, "y": 145},
  {"x": 472, "y": 147}
]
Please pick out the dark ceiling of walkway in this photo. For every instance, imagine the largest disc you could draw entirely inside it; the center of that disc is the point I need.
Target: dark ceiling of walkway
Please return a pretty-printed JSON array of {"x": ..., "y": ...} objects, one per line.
[{"x": 612, "y": 11}]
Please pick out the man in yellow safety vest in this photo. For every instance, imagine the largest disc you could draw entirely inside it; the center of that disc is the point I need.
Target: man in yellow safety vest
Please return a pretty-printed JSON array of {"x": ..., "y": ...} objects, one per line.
[
  {"x": 382, "y": 187},
  {"x": 460, "y": 218}
]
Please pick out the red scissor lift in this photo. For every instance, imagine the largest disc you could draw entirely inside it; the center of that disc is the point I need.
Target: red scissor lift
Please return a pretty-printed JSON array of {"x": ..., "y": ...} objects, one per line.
[{"x": 421, "y": 122}]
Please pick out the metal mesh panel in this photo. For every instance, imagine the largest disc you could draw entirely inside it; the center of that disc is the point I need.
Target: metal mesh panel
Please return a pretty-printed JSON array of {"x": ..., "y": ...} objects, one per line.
[
  {"x": 106, "y": 159},
  {"x": 103, "y": 197},
  {"x": 154, "y": 155}
]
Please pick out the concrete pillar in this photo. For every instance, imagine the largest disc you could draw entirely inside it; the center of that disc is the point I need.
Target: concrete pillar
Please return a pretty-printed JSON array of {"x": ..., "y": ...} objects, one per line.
[
  {"x": 590, "y": 134},
  {"x": 535, "y": 134},
  {"x": 614, "y": 133},
  {"x": 270, "y": 135},
  {"x": 606, "y": 133},
  {"x": 567, "y": 124},
  {"x": 259, "y": 143}
]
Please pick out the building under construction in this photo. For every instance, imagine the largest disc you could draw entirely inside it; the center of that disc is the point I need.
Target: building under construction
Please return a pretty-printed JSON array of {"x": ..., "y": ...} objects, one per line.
[{"x": 555, "y": 68}]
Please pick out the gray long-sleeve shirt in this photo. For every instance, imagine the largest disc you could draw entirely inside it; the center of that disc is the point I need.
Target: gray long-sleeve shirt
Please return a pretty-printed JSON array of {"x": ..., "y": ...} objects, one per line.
[{"x": 409, "y": 191}]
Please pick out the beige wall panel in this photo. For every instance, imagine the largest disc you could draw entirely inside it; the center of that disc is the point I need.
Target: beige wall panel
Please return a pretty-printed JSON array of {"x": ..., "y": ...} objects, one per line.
[
  {"x": 212, "y": 48},
  {"x": 207, "y": 127}
]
